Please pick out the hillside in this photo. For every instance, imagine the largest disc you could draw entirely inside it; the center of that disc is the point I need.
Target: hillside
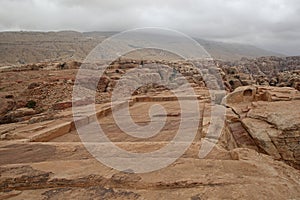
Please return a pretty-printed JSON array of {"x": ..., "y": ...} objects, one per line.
[
  {"x": 32, "y": 47},
  {"x": 234, "y": 51}
]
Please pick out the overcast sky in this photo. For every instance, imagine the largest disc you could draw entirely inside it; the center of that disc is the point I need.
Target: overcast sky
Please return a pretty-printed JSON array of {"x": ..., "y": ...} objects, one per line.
[{"x": 270, "y": 24}]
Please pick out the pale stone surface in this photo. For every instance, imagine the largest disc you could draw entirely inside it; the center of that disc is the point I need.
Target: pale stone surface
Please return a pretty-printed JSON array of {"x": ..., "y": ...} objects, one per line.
[
  {"x": 261, "y": 133},
  {"x": 44, "y": 158},
  {"x": 63, "y": 168},
  {"x": 271, "y": 118},
  {"x": 284, "y": 115},
  {"x": 187, "y": 177}
]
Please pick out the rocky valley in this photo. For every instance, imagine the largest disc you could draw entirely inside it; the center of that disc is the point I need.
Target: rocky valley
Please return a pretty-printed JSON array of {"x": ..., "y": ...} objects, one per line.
[
  {"x": 256, "y": 155},
  {"x": 149, "y": 100}
]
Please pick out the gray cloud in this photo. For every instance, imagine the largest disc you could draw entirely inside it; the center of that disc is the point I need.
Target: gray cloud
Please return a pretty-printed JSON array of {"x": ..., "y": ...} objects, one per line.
[{"x": 270, "y": 24}]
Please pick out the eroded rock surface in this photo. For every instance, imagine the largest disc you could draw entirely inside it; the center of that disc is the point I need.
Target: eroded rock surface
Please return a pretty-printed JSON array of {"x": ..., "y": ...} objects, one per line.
[
  {"x": 270, "y": 116},
  {"x": 256, "y": 156}
]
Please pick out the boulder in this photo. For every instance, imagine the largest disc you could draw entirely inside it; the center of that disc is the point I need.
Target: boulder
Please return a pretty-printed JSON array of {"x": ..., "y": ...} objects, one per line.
[
  {"x": 269, "y": 116},
  {"x": 241, "y": 94},
  {"x": 261, "y": 93}
]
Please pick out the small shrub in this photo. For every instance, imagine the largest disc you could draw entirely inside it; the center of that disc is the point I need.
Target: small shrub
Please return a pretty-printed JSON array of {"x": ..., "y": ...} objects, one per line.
[
  {"x": 31, "y": 104},
  {"x": 9, "y": 96}
]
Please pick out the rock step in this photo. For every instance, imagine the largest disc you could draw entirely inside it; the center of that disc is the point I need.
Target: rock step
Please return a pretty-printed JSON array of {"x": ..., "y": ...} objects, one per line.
[
  {"x": 241, "y": 136},
  {"x": 200, "y": 175}
]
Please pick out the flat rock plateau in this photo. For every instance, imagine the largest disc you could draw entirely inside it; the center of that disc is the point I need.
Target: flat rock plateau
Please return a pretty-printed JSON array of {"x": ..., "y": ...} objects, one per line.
[{"x": 256, "y": 155}]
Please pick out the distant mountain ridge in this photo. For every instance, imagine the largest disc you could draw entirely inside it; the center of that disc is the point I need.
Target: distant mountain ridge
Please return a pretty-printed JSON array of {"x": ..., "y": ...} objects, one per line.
[
  {"x": 234, "y": 51},
  {"x": 30, "y": 47}
]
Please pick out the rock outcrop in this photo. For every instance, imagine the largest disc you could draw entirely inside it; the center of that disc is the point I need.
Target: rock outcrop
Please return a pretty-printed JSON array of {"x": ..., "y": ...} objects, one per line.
[
  {"x": 265, "y": 71},
  {"x": 270, "y": 118},
  {"x": 48, "y": 161},
  {"x": 256, "y": 155}
]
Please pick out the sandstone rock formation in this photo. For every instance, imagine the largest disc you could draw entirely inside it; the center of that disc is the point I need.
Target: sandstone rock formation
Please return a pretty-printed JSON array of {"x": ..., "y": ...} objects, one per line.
[
  {"x": 270, "y": 117},
  {"x": 52, "y": 163},
  {"x": 267, "y": 71},
  {"x": 257, "y": 155}
]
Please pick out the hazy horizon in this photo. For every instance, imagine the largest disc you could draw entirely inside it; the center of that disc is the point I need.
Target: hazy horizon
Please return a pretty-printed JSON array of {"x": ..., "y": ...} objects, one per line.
[
  {"x": 116, "y": 32},
  {"x": 272, "y": 25}
]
